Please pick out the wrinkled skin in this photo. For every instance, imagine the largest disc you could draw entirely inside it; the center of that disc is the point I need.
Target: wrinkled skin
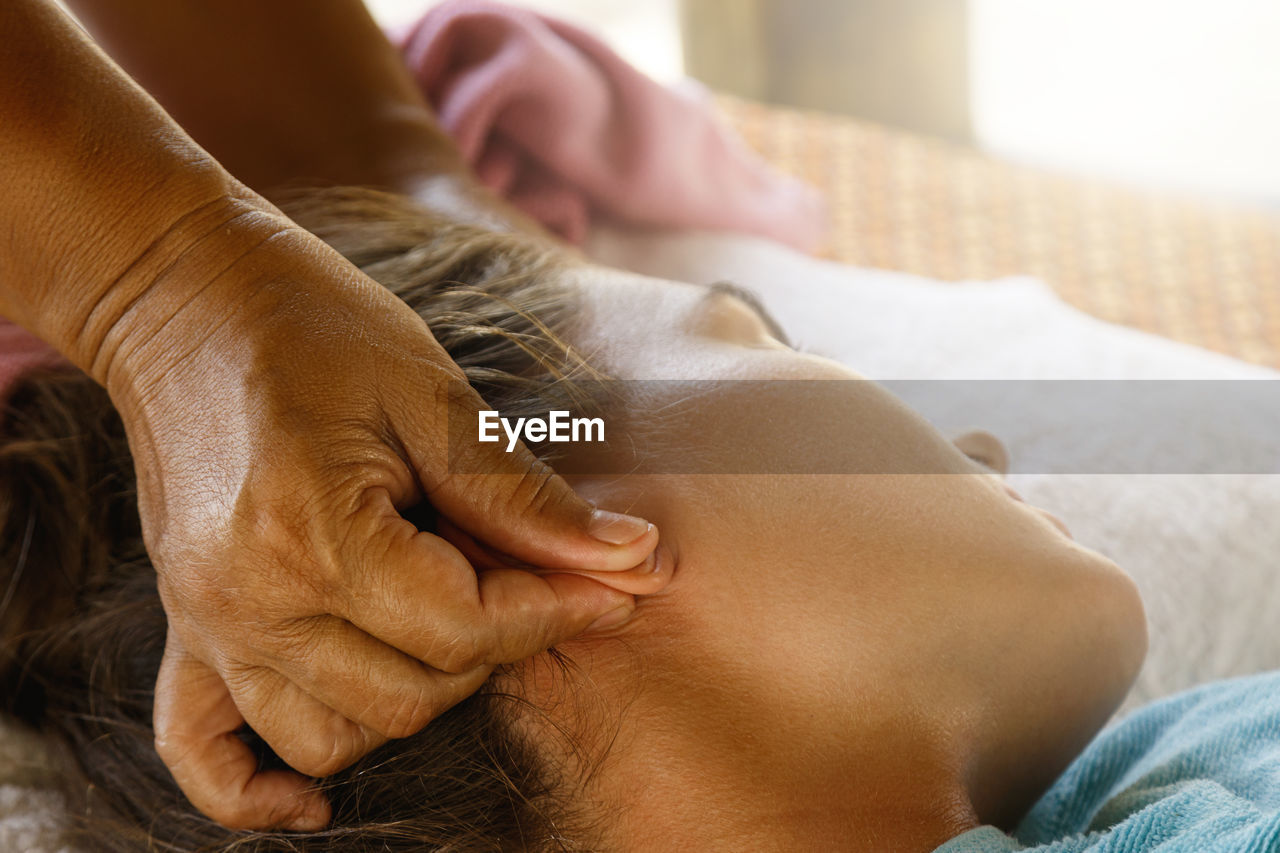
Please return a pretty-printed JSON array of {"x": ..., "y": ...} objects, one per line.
[
  {"x": 299, "y": 599},
  {"x": 281, "y": 409}
]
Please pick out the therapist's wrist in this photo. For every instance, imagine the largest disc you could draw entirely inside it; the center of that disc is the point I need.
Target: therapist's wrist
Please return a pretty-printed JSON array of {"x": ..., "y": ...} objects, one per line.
[
  {"x": 174, "y": 292},
  {"x": 97, "y": 253}
]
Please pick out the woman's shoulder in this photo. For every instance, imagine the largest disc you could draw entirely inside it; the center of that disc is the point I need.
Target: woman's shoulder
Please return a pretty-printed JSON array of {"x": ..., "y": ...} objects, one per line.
[{"x": 1198, "y": 771}]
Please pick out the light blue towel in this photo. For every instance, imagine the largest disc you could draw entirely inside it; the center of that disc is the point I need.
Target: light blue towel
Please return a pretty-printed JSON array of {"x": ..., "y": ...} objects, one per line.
[{"x": 1198, "y": 772}]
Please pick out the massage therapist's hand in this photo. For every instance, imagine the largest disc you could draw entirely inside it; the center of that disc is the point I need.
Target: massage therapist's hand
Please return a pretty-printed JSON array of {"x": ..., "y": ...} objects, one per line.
[
  {"x": 279, "y": 418},
  {"x": 281, "y": 408}
]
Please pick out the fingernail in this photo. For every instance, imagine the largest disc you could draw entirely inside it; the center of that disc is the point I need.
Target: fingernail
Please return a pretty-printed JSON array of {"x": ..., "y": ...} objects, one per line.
[
  {"x": 612, "y": 619},
  {"x": 616, "y": 528}
]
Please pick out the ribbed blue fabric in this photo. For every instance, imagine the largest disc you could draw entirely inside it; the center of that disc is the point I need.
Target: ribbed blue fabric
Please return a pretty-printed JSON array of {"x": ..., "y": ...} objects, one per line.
[{"x": 1198, "y": 772}]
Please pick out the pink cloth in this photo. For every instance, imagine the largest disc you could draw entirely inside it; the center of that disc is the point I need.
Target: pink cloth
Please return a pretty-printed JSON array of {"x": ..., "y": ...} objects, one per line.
[
  {"x": 560, "y": 125},
  {"x": 19, "y": 352}
]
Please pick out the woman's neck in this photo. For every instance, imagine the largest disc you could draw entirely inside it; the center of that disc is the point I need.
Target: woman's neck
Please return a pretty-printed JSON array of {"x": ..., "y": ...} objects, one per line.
[{"x": 891, "y": 791}]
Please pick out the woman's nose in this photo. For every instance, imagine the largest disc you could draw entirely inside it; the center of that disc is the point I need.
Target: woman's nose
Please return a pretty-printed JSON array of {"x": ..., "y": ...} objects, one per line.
[{"x": 985, "y": 449}]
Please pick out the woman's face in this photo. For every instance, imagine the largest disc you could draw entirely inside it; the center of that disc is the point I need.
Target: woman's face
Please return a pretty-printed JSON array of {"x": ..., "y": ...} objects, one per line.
[{"x": 816, "y": 624}]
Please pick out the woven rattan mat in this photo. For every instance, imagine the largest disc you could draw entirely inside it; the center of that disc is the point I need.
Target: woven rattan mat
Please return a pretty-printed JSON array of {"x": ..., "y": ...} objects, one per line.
[{"x": 1205, "y": 274}]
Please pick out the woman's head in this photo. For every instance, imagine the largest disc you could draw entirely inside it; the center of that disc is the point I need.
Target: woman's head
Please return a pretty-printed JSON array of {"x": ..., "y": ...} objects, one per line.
[
  {"x": 875, "y": 641},
  {"x": 820, "y": 627}
]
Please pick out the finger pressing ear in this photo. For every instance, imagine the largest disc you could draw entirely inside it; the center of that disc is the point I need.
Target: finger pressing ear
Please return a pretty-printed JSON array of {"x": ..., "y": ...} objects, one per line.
[
  {"x": 513, "y": 501},
  {"x": 571, "y": 605},
  {"x": 424, "y": 598},
  {"x": 195, "y": 729},
  {"x": 645, "y": 579}
]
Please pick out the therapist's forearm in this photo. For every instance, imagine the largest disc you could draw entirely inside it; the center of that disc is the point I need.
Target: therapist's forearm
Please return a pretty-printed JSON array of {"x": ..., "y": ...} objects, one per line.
[
  {"x": 279, "y": 90},
  {"x": 289, "y": 92},
  {"x": 102, "y": 190}
]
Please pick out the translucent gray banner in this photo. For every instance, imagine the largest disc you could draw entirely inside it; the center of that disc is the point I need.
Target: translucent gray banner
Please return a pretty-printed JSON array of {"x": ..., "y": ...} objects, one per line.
[{"x": 864, "y": 427}]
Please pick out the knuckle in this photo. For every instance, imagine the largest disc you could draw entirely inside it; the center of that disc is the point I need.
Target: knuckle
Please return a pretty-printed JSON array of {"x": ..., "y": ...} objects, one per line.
[
  {"x": 173, "y": 750},
  {"x": 451, "y": 389},
  {"x": 523, "y": 629},
  {"x": 536, "y": 489},
  {"x": 298, "y": 642},
  {"x": 540, "y": 489},
  {"x": 322, "y": 755},
  {"x": 242, "y": 680},
  {"x": 285, "y": 542},
  {"x": 298, "y": 549},
  {"x": 193, "y": 586},
  {"x": 457, "y": 654},
  {"x": 404, "y": 717}
]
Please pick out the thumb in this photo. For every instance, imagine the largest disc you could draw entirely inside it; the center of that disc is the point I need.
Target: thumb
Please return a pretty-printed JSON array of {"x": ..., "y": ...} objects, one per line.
[{"x": 515, "y": 502}]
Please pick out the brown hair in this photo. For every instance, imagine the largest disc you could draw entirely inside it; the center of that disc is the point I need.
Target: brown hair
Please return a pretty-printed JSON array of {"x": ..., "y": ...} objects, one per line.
[{"x": 82, "y": 629}]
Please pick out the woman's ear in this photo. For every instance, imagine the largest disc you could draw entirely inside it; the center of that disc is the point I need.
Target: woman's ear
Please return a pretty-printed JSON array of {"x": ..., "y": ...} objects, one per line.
[{"x": 985, "y": 449}]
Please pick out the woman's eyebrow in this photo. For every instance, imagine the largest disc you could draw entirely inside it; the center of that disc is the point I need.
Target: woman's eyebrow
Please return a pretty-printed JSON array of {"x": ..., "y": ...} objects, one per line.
[{"x": 753, "y": 302}]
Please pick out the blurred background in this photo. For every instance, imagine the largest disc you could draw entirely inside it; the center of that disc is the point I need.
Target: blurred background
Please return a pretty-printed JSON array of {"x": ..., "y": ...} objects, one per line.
[{"x": 1177, "y": 94}]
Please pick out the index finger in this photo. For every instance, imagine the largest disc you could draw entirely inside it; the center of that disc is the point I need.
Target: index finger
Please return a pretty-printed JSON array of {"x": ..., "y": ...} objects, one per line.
[
  {"x": 506, "y": 496},
  {"x": 416, "y": 592}
]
